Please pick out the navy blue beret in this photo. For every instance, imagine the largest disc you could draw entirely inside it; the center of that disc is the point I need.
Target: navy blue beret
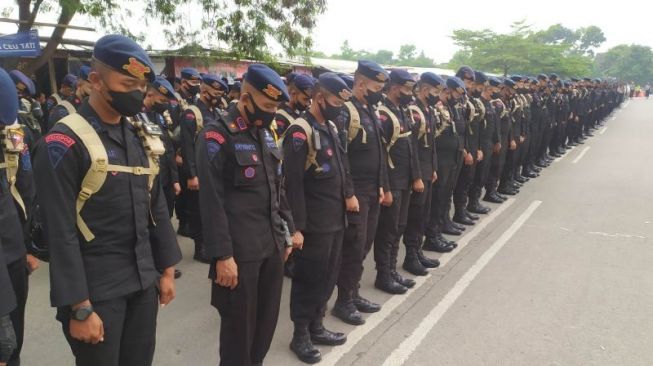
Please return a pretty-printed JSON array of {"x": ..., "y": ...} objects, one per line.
[
  {"x": 542, "y": 77},
  {"x": 587, "y": 79},
  {"x": 69, "y": 80},
  {"x": 236, "y": 86},
  {"x": 348, "y": 79},
  {"x": 335, "y": 85},
  {"x": 401, "y": 77},
  {"x": 533, "y": 81},
  {"x": 8, "y": 99},
  {"x": 372, "y": 70},
  {"x": 509, "y": 83},
  {"x": 267, "y": 81},
  {"x": 516, "y": 78},
  {"x": 22, "y": 82},
  {"x": 465, "y": 72},
  {"x": 125, "y": 56},
  {"x": 494, "y": 81},
  {"x": 177, "y": 80},
  {"x": 575, "y": 80},
  {"x": 480, "y": 77},
  {"x": 597, "y": 80},
  {"x": 431, "y": 79},
  {"x": 84, "y": 71},
  {"x": 303, "y": 82},
  {"x": 456, "y": 84},
  {"x": 553, "y": 76},
  {"x": 164, "y": 87},
  {"x": 190, "y": 73},
  {"x": 290, "y": 77},
  {"x": 215, "y": 82}
]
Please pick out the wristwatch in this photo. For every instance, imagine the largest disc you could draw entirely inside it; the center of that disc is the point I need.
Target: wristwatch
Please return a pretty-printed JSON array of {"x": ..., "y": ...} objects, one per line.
[{"x": 82, "y": 313}]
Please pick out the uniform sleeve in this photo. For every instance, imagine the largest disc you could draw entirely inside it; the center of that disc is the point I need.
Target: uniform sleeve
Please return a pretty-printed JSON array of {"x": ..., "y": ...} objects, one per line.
[
  {"x": 415, "y": 168},
  {"x": 295, "y": 150},
  {"x": 386, "y": 132},
  {"x": 56, "y": 114},
  {"x": 211, "y": 157},
  {"x": 57, "y": 172},
  {"x": 163, "y": 239},
  {"x": 343, "y": 129},
  {"x": 7, "y": 296},
  {"x": 188, "y": 128},
  {"x": 281, "y": 124}
]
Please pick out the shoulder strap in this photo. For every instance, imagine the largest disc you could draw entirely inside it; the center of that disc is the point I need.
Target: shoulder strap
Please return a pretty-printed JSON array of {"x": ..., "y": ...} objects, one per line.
[
  {"x": 354, "y": 124},
  {"x": 97, "y": 172},
  {"x": 69, "y": 107},
  {"x": 422, "y": 128},
  {"x": 57, "y": 98},
  {"x": 311, "y": 158},
  {"x": 11, "y": 138},
  {"x": 396, "y": 131}
]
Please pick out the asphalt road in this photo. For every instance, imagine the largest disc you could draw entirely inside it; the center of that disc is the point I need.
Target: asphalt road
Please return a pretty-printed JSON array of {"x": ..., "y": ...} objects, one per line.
[{"x": 559, "y": 275}]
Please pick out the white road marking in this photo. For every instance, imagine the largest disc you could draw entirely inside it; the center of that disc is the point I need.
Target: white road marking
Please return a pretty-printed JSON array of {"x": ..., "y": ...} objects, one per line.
[
  {"x": 626, "y": 104},
  {"x": 603, "y": 130},
  {"x": 617, "y": 235},
  {"x": 389, "y": 306},
  {"x": 402, "y": 353},
  {"x": 580, "y": 156}
]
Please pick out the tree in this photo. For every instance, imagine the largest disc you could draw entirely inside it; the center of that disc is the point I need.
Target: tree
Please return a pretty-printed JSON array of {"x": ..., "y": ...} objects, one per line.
[
  {"x": 627, "y": 62},
  {"x": 523, "y": 50},
  {"x": 244, "y": 27},
  {"x": 406, "y": 52}
]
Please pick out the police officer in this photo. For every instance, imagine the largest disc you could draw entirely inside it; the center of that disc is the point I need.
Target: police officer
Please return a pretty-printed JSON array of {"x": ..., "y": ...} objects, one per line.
[
  {"x": 498, "y": 174},
  {"x": 112, "y": 245},
  {"x": 425, "y": 118},
  {"x": 29, "y": 110},
  {"x": 507, "y": 183},
  {"x": 242, "y": 217},
  {"x": 315, "y": 173},
  {"x": 234, "y": 92},
  {"x": 300, "y": 88},
  {"x": 450, "y": 150},
  {"x": 404, "y": 176},
  {"x": 63, "y": 108},
  {"x": 65, "y": 92},
  {"x": 14, "y": 265},
  {"x": 205, "y": 110},
  {"x": 483, "y": 90}
]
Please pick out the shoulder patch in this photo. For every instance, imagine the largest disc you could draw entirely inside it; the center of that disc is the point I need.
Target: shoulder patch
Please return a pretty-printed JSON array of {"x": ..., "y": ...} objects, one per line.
[
  {"x": 58, "y": 144},
  {"x": 215, "y": 136},
  {"x": 240, "y": 122},
  {"x": 190, "y": 116},
  {"x": 25, "y": 159},
  {"x": 383, "y": 117},
  {"x": 298, "y": 140}
]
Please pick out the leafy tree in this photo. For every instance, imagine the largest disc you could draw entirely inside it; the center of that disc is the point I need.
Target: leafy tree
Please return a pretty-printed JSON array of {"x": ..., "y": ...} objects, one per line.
[
  {"x": 627, "y": 62},
  {"x": 243, "y": 27}
]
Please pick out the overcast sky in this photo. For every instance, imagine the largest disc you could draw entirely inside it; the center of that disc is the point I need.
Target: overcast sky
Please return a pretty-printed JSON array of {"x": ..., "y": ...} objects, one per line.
[{"x": 428, "y": 24}]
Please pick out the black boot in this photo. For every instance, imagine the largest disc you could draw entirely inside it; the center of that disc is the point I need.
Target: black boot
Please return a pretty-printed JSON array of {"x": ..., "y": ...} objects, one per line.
[
  {"x": 184, "y": 229},
  {"x": 450, "y": 230},
  {"x": 200, "y": 253},
  {"x": 427, "y": 262},
  {"x": 475, "y": 206},
  {"x": 406, "y": 282},
  {"x": 303, "y": 347},
  {"x": 386, "y": 283},
  {"x": 347, "y": 312},
  {"x": 364, "y": 305},
  {"x": 289, "y": 267},
  {"x": 461, "y": 218},
  {"x": 446, "y": 241},
  {"x": 448, "y": 221},
  {"x": 325, "y": 337},
  {"x": 470, "y": 215},
  {"x": 412, "y": 264},
  {"x": 435, "y": 245}
]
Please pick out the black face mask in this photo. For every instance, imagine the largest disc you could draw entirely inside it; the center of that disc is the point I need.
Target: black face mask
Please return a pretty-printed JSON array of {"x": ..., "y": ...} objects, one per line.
[
  {"x": 193, "y": 89},
  {"x": 476, "y": 94},
  {"x": 127, "y": 104},
  {"x": 160, "y": 107},
  {"x": 259, "y": 115},
  {"x": 496, "y": 95},
  {"x": 301, "y": 107},
  {"x": 330, "y": 112},
  {"x": 432, "y": 99},
  {"x": 405, "y": 99},
  {"x": 374, "y": 98}
]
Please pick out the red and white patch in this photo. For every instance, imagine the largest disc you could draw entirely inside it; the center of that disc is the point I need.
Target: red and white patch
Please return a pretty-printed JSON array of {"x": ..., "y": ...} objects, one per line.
[
  {"x": 329, "y": 152},
  {"x": 215, "y": 136},
  {"x": 60, "y": 138},
  {"x": 299, "y": 135}
]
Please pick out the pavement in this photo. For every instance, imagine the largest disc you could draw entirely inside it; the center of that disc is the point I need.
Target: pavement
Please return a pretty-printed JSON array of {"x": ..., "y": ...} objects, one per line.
[{"x": 558, "y": 275}]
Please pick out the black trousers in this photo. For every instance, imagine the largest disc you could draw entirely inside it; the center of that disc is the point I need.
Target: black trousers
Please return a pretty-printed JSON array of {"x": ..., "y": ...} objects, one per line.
[
  {"x": 419, "y": 211},
  {"x": 181, "y": 206},
  {"x": 129, "y": 331},
  {"x": 482, "y": 174},
  {"x": 169, "y": 193},
  {"x": 496, "y": 170},
  {"x": 441, "y": 196},
  {"x": 509, "y": 167},
  {"x": 316, "y": 272},
  {"x": 464, "y": 183},
  {"x": 392, "y": 224},
  {"x": 359, "y": 236},
  {"x": 18, "y": 274},
  {"x": 249, "y": 313}
]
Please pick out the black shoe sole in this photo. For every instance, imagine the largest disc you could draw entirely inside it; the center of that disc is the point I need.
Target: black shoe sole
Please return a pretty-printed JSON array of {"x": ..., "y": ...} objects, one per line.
[
  {"x": 347, "y": 320},
  {"x": 326, "y": 343},
  {"x": 310, "y": 361}
]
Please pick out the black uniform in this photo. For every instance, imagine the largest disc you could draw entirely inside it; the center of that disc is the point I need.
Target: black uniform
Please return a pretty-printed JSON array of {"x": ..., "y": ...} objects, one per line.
[
  {"x": 316, "y": 198},
  {"x": 241, "y": 210},
  {"x": 489, "y": 136},
  {"x": 282, "y": 123},
  {"x": 58, "y": 112},
  {"x": 420, "y": 203},
  {"x": 367, "y": 162},
  {"x": 7, "y": 305},
  {"x": 189, "y": 131},
  {"x": 168, "y": 173},
  {"x": 404, "y": 170},
  {"x": 134, "y": 240},
  {"x": 472, "y": 146},
  {"x": 504, "y": 137}
]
